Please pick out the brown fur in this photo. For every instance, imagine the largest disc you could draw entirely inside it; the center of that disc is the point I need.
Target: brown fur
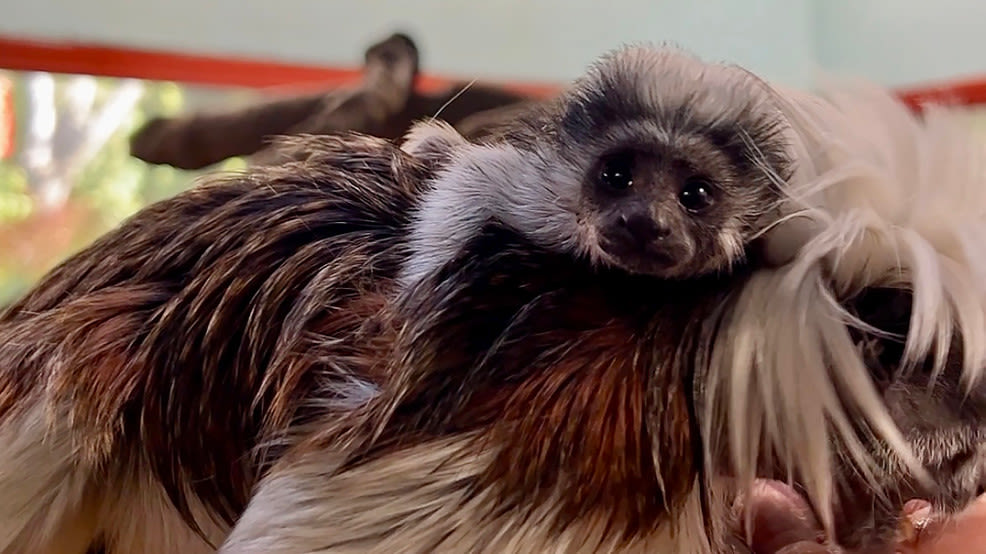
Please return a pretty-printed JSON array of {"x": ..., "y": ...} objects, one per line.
[
  {"x": 581, "y": 381},
  {"x": 202, "y": 339},
  {"x": 186, "y": 339}
]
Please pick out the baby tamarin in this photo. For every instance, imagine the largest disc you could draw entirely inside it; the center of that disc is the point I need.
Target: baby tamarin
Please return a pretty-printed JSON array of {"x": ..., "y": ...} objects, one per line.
[{"x": 653, "y": 162}]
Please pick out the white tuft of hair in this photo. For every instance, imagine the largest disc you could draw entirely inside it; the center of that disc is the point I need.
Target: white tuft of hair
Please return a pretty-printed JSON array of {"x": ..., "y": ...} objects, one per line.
[{"x": 881, "y": 197}]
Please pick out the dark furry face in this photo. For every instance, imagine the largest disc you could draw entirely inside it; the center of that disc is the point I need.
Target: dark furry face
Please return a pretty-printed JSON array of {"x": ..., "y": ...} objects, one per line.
[
  {"x": 945, "y": 430},
  {"x": 666, "y": 165},
  {"x": 673, "y": 210},
  {"x": 943, "y": 421}
]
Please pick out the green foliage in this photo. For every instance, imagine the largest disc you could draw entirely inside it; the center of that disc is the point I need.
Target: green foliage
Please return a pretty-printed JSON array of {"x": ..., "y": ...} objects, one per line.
[
  {"x": 15, "y": 203},
  {"x": 118, "y": 184},
  {"x": 111, "y": 187}
]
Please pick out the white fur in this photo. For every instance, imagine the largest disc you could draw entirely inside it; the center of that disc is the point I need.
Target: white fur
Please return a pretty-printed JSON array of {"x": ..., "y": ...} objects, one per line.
[
  {"x": 888, "y": 199},
  {"x": 419, "y": 500},
  {"x": 433, "y": 139},
  {"x": 51, "y": 502},
  {"x": 43, "y": 492},
  {"x": 492, "y": 181}
]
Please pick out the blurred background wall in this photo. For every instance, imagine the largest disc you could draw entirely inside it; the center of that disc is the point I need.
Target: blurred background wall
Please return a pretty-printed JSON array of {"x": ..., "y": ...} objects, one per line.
[{"x": 895, "y": 41}]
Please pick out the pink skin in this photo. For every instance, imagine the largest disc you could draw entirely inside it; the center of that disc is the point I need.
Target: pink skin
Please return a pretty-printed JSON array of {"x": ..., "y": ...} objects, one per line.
[
  {"x": 783, "y": 524},
  {"x": 782, "y": 521},
  {"x": 963, "y": 532}
]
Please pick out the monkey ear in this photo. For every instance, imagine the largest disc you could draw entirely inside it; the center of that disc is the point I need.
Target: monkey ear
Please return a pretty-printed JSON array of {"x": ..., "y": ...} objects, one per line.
[{"x": 433, "y": 142}]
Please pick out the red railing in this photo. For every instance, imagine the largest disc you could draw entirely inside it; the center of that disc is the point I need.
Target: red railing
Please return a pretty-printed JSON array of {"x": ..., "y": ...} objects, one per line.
[
  {"x": 64, "y": 57},
  {"x": 108, "y": 61}
]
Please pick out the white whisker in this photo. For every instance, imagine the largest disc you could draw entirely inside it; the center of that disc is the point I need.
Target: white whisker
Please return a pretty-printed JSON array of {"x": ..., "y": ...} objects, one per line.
[{"x": 453, "y": 99}]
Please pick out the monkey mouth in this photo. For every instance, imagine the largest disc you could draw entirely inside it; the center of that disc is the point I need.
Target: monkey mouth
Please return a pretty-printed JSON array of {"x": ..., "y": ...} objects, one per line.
[
  {"x": 641, "y": 259},
  {"x": 774, "y": 517}
]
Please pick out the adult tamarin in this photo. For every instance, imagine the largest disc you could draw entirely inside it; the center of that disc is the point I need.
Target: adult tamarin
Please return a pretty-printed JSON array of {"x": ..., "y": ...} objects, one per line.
[
  {"x": 516, "y": 397},
  {"x": 653, "y": 162}
]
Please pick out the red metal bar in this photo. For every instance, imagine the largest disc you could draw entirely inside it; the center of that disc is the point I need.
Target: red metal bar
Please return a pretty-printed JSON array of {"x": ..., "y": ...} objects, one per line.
[
  {"x": 109, "y": 61},
  {"x": 965, "y": 92}
]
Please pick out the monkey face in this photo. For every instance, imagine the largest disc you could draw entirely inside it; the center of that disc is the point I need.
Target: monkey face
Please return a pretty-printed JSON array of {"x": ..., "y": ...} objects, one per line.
[
  {"x": 941, "y": 417},
  {"x": 947, "y": 430},
  {"x": 677, "y": 211}
]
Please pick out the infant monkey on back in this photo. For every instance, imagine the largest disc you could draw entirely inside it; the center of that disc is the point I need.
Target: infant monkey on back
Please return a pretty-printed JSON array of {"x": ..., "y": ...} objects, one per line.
[{"x": 653, "y": 162}]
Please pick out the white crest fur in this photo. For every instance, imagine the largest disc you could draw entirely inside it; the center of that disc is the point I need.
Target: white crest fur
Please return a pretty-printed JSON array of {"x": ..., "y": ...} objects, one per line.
[{"x": 885, "y": 198}]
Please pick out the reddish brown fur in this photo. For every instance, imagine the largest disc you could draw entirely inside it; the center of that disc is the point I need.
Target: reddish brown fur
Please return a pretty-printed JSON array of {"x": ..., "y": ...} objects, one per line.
[
  {"x": 587, "y": 414},
  {"x": 582, "y": 389}
]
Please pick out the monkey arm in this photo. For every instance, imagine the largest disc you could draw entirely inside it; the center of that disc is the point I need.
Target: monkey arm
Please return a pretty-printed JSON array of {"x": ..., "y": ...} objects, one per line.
[
  {"x": 198, "y": 140},
  {"x": 361, "y": 111},
  {"x": 384, "y": 105}
]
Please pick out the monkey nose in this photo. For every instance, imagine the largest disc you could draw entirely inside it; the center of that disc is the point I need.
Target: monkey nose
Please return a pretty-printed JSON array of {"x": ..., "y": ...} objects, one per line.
[{"x": 643, "y": 227}]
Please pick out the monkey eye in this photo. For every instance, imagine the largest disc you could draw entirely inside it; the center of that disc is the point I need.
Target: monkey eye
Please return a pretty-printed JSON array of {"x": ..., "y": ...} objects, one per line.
[
  {"x": 616, "y": 171},
  {"x": 696, "y": 195}
]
